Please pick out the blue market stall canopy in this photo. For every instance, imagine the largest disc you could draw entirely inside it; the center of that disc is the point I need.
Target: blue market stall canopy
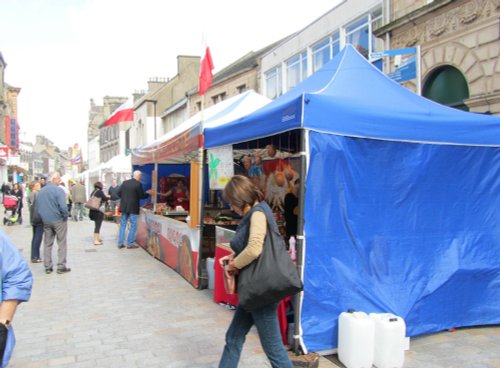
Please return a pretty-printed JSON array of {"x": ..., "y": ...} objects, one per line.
[
  {"x": 350, "y": 97},
  {"x": 402, "y": 201},
  {"x": 180, "y": 144}
]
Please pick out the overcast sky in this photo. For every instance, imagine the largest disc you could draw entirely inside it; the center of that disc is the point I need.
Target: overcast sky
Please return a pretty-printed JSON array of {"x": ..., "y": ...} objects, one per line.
[{"x": 62, "y": 53}]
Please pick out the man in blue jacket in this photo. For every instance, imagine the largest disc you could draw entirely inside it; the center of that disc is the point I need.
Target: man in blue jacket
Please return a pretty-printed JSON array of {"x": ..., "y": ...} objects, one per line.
[
  {"x": 51, "y": 206},
  {"x": 16, "y": 282}
]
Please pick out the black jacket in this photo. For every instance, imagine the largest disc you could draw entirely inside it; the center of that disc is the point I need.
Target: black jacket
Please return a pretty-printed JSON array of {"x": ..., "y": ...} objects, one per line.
[
  {"x": 113, "y": 193},
  {"x": 131, "y": 193}
]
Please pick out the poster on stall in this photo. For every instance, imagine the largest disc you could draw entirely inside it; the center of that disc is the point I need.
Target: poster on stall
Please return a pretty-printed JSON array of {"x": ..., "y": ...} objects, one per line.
[
  {"x": 172, "y": 242},
  {"x": 220, "y": 166}
]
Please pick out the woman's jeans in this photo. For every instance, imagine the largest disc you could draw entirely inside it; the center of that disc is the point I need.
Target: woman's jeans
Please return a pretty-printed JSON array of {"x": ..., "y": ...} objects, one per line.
[
  {"x": 36, "y": 241},
  {"x": 266, "y": 321}
]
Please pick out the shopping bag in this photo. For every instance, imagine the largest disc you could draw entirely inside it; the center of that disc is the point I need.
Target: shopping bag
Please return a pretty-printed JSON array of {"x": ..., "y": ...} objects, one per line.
[{"x": 271, "y": 277}]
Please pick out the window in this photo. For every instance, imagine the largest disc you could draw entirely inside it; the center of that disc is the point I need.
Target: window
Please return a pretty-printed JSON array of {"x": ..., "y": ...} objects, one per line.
[
  {"x": 324, "y": 51},
  {"x": 357, "y": 35},
  {"x": 242, "y": 88},
  {"x": 320, "y": 54},
  {"x": 273, "y": 83},
  {"x": 127, "y": 140},
  {"x": 218, "y": 98},
  {"x": 447, "y": 86},
  {"x": 360, "y": 33},
  {"x": 296, "y": 70}
]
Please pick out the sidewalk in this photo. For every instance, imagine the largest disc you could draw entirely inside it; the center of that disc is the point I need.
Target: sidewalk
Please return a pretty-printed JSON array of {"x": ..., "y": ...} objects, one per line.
[
  {"x": 118, "y": 308},
  {"x": 123, "y": 308}
]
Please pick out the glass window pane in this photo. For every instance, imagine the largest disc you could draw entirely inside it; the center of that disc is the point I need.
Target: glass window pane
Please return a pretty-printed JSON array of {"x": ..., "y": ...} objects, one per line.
[
  {"x": 303, "y": 74},
  {"x": 377, "y": 13},
  {"x": 319, "y": 47},
  {"x": 320, "y": 54},
  {"x": 356, "y": 24},
  {"x": 293, "y": 75},
  {"x": 273, "y": 83},
  {"x": 336, "y": 48},
  {"x": 359, "y": 39}
]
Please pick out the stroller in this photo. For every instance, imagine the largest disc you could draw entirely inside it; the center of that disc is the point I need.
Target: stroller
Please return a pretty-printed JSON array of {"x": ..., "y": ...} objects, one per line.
[{"x": 12, "y": 207}]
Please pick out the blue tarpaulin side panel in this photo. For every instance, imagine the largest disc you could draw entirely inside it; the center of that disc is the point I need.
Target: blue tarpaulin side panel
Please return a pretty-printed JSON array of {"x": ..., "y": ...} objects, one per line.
[{"x": 407, "y": 228}]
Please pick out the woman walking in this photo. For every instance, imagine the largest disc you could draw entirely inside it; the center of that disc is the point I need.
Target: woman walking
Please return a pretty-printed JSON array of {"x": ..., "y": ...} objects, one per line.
[
  {"x": 96, "y": 215},
  {"x": 36, "y": 222},
  {"x": 247, "y": 201}
]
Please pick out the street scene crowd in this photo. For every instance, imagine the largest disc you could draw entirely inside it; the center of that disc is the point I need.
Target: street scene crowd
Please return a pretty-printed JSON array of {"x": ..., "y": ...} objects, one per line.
[{"x": 329, "y": 200}]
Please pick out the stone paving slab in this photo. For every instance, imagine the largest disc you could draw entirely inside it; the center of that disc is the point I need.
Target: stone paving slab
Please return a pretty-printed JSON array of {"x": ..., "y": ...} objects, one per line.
[{"x": 123, "y": 308}]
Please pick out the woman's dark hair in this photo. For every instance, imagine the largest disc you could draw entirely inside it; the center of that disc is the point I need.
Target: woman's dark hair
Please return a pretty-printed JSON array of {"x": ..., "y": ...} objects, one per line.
[
  {"x": 98, "y": 185},
  {"x": 240, "y": 191}
]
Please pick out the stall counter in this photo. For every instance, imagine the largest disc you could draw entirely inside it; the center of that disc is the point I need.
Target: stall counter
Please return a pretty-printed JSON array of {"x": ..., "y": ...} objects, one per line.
[{"x": 171, "y": 241}]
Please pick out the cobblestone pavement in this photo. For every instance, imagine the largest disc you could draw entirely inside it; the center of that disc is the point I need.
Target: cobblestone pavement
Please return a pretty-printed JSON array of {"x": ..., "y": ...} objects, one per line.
[
  {"x": 464, "y": 348},
  {"x": 123, "y": 308}
]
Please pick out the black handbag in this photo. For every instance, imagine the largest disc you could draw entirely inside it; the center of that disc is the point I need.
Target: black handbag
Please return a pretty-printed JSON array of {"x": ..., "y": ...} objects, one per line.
[
  {"x": 271, "y": 277},
  {"x": 35, "y": 217}
]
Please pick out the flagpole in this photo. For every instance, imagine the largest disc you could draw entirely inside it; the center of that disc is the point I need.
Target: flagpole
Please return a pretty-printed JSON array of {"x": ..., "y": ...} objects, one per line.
[{"x": 201, "y": 161}]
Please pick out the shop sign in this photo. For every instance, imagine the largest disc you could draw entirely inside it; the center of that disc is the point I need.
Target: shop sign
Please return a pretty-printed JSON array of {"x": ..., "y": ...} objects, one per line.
[
  {"x": 406, "y": 71},
  {"x": 4, "y": 152},
  {"x": 220, "y": 166}
]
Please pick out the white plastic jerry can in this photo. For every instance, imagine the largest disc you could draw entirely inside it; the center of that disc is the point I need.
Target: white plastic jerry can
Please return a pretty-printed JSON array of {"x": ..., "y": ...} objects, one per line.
[
  {"x": 390, "y": 342},
  {"x": 356, "y": 337}
]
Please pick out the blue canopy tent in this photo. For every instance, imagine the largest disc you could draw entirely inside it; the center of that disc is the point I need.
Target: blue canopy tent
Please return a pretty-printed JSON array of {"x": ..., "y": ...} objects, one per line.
[{"x": 401, "y": 202}]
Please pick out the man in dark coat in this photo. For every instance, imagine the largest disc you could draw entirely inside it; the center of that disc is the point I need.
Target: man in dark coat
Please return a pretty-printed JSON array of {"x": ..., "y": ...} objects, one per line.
[{"x": 130, "y": 194}]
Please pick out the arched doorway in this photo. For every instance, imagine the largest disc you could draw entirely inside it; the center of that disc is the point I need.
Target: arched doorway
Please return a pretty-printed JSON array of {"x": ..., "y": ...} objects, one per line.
[{"x": 447, "y": 86}]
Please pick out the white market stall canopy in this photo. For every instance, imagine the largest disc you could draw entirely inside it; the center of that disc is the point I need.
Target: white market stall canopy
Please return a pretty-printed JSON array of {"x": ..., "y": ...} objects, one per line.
[
  {"x": 181, "y": 144},
  {"x": 118, "y": 164}
]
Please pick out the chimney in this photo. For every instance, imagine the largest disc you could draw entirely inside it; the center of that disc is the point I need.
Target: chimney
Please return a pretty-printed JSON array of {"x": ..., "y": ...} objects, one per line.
[
  {"x": 138, "y": 94},
  {"x": 184, "y": 62},
  {"x": 155, "y": 83}
]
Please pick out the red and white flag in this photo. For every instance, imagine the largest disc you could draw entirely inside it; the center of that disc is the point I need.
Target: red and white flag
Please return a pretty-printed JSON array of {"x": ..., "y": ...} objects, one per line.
[
  {"x": 206, "y": 72},
  {"x": 124, "y": 113}
]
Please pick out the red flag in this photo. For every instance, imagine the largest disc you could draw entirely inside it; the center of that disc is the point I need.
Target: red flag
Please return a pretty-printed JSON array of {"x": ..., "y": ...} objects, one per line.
[
  {"x": 206, "y": 72},
  {"x": 123, "y": 113}
]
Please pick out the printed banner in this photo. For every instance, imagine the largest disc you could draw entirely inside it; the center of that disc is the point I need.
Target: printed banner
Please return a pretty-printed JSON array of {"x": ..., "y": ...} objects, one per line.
[
  {"x": 172, "y": 242},
  {"x": 220, "y": 166},
  {"x": 76, "y": 155}
]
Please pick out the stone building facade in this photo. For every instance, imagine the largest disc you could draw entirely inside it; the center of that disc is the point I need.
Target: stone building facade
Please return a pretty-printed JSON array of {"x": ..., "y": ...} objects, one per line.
[
  {"x": 460, "y": 48},
  {"x": 164, "y": 106},
  {"x": 109, "y": 137},
  {"x": 107, "y": 141}
]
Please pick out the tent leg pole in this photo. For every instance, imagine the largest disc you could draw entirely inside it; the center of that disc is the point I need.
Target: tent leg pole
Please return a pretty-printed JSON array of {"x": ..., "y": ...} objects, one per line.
[{"x": 300, "y": 237}]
